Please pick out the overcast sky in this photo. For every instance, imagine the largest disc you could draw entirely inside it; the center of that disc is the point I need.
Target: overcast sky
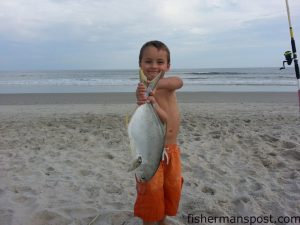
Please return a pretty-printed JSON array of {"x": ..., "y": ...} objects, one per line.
[{"x": 107, "y": 34}]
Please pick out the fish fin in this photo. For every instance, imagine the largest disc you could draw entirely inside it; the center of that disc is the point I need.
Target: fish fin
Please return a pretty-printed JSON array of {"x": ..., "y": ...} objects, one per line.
[
  {"x": 138, "y": 179},
  {"x": 135, "y": 163},
  {"x": 127, "y": 118},
  {"x": 143, "y": 78}
]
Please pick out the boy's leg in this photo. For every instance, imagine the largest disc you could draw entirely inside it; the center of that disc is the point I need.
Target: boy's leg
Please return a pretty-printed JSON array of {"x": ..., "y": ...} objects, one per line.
[
  {"x": 149, "y": 204},
  {"x": 172, "y": 180}
]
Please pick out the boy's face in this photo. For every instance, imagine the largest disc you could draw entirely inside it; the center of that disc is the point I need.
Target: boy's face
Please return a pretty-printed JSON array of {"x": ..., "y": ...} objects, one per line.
[{"x": 154, "y": 61}]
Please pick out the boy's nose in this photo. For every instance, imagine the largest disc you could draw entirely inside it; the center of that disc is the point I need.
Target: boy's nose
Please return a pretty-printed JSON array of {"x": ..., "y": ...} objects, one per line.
[{"x": 154, "y": 64}]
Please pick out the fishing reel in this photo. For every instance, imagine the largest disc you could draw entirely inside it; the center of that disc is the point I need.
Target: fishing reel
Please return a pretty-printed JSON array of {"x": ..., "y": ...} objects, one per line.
[{"x": 289, "y": 59}]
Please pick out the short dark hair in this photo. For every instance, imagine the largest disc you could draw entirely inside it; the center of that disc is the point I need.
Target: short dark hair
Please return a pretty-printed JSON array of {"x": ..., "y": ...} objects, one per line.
[{"x": 157, "y": 44}]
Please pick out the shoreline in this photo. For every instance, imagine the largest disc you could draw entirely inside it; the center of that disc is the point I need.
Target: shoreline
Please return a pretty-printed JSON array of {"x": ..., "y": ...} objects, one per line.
[{"x": 129, "y": 98}]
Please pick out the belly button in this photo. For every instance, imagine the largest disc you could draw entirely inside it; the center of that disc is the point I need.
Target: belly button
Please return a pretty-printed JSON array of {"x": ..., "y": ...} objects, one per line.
[{"x": 170, "y": 131}]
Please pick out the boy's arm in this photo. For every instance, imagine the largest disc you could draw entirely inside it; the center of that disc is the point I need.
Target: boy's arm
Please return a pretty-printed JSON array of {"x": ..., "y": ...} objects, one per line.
[
  {"x": 160, "y": 112},
  {"x": 170, "y": 83},
  {"x": 141, "y": 99}
]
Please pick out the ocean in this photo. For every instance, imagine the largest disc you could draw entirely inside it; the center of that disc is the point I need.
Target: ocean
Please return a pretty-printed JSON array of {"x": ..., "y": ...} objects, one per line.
[{"x": 97, "y": 81}]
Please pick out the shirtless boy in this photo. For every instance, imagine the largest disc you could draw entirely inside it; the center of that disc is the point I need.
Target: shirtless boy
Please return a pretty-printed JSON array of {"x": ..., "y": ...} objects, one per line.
[{"x": 160, "y": 196}]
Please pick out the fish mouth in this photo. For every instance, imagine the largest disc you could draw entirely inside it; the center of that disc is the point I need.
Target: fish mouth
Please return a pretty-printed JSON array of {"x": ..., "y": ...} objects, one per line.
[{"x": 140, "y": 178}]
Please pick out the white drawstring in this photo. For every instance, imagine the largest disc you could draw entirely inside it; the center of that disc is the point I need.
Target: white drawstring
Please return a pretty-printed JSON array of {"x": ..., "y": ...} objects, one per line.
[{"x": 165, "y": 155}]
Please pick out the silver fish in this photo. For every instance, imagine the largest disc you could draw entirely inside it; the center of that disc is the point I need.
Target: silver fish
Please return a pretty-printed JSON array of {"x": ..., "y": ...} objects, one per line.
[{"x": 147, "y": 136}]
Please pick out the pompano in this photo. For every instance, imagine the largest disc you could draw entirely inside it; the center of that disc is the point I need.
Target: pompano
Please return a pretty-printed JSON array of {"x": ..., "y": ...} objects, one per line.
[{"x": 147, "y": 136}]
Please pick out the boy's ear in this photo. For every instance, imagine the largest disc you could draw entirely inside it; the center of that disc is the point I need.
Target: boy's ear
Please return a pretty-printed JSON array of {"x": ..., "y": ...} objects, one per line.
[{"x": 168, "y": 67}]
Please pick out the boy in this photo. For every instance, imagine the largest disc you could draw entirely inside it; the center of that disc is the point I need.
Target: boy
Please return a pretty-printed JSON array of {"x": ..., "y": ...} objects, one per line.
[{"x": 160, "y": 196}]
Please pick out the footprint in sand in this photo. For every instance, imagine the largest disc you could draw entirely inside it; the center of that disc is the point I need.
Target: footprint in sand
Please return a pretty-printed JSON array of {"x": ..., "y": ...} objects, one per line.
[
  {"x": 85, "y": 173},
  {"x": 24, "y": 189},
  {"x": 215, "y": 134},
  {"x": 50, "y": 170},
  {"x": 109, "y": 156},
  {"x": 208, "y": 190},
  {"x": 6, "y": 216},
  {"x": 121, "y": 217},
  {"x": 269, "y": 138},
  {"x": 84, "y": 214},
  {"x": 24, "y": 195},
  {"x": 92, "y": 192},
  {"x": 47, "y": 217},
  {"x": 288, "y": 145},
  {"x": 291, "y": 154}
]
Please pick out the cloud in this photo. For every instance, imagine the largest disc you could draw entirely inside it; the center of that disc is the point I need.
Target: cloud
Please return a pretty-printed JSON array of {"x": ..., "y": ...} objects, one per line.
[
  {"x": 91, "y": 19},
  {"x": 115, "y": 26}
]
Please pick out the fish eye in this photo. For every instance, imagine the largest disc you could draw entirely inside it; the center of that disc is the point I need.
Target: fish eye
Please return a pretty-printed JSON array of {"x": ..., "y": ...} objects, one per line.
[{"x": 140, "y": 160}]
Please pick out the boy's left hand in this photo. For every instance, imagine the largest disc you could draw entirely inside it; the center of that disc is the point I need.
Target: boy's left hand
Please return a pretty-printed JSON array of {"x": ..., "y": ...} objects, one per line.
[
  {"x": 151, "y": 99},
  {"x": 161, "y": 113}
]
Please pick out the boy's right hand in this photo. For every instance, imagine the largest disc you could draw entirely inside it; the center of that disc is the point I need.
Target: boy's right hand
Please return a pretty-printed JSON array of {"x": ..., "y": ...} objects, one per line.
[{"x": 140, "y": 94}]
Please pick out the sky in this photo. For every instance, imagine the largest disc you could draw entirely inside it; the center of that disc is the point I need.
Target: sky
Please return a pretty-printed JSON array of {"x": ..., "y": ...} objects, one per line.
[{"x": 108, "y": 34}]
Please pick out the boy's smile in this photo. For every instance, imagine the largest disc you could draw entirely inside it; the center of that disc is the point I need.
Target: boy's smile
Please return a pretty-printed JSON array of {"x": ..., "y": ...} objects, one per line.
[{"x": 154, "y": 61}]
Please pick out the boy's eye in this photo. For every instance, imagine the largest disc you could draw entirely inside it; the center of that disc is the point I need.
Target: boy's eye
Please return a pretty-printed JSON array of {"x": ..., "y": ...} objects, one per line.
[{"x": 158, "y": 62}]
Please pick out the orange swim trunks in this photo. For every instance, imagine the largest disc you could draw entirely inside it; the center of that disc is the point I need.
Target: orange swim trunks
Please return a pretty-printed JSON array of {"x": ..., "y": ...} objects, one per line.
[{"x": 160, "y": 196}]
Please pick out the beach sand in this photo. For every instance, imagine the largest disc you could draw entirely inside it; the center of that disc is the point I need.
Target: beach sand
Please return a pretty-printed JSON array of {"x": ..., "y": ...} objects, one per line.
[{"x": 64, "y": 158}]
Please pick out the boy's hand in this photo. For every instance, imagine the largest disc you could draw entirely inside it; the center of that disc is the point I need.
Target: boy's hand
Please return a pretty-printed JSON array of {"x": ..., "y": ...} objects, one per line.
[
  {"x": 152, "y": 100},
  {"x": 140, "y": 94},
  {"x": 161, "y": 113}
]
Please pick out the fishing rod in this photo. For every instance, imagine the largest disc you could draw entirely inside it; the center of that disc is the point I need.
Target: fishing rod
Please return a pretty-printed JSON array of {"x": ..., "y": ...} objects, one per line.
[{"x": 290, "y": 56}]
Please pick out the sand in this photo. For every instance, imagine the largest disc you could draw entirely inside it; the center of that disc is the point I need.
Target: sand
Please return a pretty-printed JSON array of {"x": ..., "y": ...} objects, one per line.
[{"x": 63, "y": 163}]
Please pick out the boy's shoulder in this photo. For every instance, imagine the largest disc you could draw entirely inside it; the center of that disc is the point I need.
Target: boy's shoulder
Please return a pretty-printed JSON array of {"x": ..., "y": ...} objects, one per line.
[
  {"x": 171, "y": 83},
  {"x": 173, "y": 78}
]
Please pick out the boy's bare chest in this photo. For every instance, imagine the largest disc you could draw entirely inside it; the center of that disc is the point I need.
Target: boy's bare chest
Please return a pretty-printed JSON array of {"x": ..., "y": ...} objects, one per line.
[{"x": 168, "y": 102}]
